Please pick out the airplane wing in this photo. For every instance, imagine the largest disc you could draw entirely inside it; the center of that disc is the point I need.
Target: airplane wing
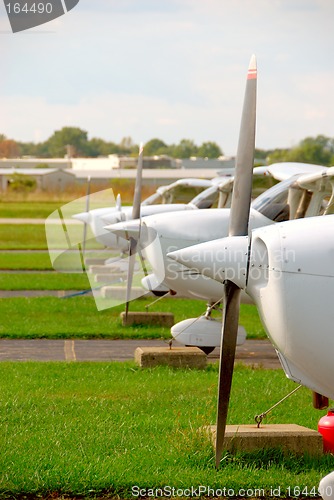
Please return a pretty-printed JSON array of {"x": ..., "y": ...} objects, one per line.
[
  {"x": 284, "y": 170},
  {"x": 318, "y": 181}
]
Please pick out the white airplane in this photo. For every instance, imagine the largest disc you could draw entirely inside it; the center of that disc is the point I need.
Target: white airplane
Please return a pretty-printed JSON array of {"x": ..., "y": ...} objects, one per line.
[
  {"x": 163, "y": 200},
  {"x": 287, "y": 200},
  {"x": 302, "y": 195},
  {"x": 287, "y": 269}
]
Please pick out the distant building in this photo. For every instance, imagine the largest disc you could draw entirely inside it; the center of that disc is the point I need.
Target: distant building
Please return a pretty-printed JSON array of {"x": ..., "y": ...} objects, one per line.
[
  {"x": 217, "y": 163},
  {"x": 115, "y": 162},
  {"x": 35, "y": 163},
  {"x": 112, "y": 162},
  {"x": 60, "y": 173},
  {"x": 45, "y": 178}
]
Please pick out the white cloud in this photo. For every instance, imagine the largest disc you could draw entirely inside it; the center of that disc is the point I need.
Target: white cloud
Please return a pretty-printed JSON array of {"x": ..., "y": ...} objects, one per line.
[{"x": 172, "y": 69}]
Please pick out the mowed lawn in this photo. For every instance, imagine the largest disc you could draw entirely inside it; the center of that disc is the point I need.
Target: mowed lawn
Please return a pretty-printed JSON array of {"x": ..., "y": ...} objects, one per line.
[
  {"x": 78, "y": 317},
  {"x": 93, "y": 429},
  {"x": 28, "y": 209},
  {"x": 88, "y": 430},
  {"x": 22, "y": 236}
]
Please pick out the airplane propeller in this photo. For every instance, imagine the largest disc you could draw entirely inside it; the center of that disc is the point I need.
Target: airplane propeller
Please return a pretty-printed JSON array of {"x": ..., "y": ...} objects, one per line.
[
  {"x": 234, "y": 249},
  {"x": 241, "y": 199},
  {"x": 133, "y": 241},
  {"x": 119, "y": 202},
  {"x": 84, "y": 237}
]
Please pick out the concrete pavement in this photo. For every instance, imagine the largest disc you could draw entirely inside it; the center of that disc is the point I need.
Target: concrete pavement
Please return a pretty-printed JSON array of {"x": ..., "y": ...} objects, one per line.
[{"x": 252, "y": 352}]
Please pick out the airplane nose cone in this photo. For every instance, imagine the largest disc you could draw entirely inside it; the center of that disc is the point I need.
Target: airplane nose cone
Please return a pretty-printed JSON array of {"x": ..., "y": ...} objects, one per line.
[
  {"x": 125, "y": 229},
  {"x": 223, "y": 259},
  {"x": 83, "y": 217}
]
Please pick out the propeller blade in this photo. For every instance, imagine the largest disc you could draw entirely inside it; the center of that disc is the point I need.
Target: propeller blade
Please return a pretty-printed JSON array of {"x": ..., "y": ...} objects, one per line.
[
  {"x": 138, "y": 186},
  {"x": 227, "y": 355},
  {"x": 84, "y": 238},
  {"x": 238, "y": 226},
  {"x": 132, "y": 261},
  {"x": 119, "y": 202},
  {"x": 242, "y": 188},
  {"x": 134, "y": 242}
]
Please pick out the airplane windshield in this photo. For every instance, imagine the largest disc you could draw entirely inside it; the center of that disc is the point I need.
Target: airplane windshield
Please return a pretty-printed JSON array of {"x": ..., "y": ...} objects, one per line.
[
  {"x": 177, "y": 194},
  {"x": 273, "y": 203},
  {"x": 208, "y": 198}
]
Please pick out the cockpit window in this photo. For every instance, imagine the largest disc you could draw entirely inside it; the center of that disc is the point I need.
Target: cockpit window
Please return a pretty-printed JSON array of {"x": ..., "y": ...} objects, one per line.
[
  {"x": 207, "y": 199},
  {"x": 273, "y": 203},
  {"x": 177, "y": 194},
  {"x": 154, "y": 199}
]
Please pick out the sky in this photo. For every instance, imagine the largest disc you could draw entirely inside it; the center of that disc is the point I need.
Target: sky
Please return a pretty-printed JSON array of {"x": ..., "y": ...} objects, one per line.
[{"x": 171, "y": 69}]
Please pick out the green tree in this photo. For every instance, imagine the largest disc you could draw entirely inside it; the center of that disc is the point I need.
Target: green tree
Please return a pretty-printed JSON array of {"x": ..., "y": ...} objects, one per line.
[
  {"x": 99, "y": 147},
  {"x": 278, "y": 155},
  {"x": 262, "y": 154},
  {"x": 155, "y": 147},
  {"x": 73, "y": 136},
  {"x": 21, "y": 183},
  {"x": 127, "y": 147},
  {"x": 30, "y": 149},
  {"x": 185, "y": 149},
  {"x": 209, "y": 150},
  {"x": 318, "y": 150}
]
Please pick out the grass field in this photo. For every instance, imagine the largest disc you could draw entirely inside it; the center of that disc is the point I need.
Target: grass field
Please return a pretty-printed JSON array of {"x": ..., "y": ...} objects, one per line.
[
  {"x": 32, "y": 237},
  {"x": 43, "y": 281},
  {"x": 25, "y": 260},
  {"x": 28, "y": 209},
  {"x": 77, "y": 317},
  {"x": 22, "y": 236},
  {"x": 103, "y": 428}
]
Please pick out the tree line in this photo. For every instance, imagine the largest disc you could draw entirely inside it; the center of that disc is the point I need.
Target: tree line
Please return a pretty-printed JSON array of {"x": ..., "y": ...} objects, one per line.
[{"x": 74, "y": 141}]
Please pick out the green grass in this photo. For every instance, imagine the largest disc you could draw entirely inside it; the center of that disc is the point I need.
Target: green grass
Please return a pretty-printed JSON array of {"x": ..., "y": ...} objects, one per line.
[
  {"x": 102, "y": 428},
  {"x": 27, "y": 260},
  {"x": 32, "y": 237},
  {"x": 22, "y": 236},
  {"x": 28, "y": 209},
  {"x": 77, "y": 317},
  {"x": 47, "y": 281}
]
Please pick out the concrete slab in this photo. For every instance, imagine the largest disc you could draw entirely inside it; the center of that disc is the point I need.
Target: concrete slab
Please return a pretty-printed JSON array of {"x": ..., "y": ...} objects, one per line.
[
  {"x": 148, "y": 318},
  {"x": 119, "y": 292},
  {"x": 108, "y": 278},
  {"x": 177, "y": 357},
  {"x": 287, "y": 437},
  {"x": 91, "y": 261},
  {"x": 103, "y": 268}
]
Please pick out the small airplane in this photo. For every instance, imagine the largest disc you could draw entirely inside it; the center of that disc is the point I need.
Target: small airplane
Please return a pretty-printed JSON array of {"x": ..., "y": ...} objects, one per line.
[
  {"x": 165, "y": 199},
  {"x": 298, "y": 195},
  {"x": 287, "y": 270}
]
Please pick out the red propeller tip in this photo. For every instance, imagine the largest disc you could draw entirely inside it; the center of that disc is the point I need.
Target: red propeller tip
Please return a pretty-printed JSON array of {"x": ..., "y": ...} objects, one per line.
[{"x": 252, "y": 70}]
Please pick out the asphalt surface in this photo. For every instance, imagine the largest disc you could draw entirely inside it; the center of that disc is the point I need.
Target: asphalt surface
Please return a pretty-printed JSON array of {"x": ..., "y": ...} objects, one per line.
[{"x": 252, "y": 352}]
